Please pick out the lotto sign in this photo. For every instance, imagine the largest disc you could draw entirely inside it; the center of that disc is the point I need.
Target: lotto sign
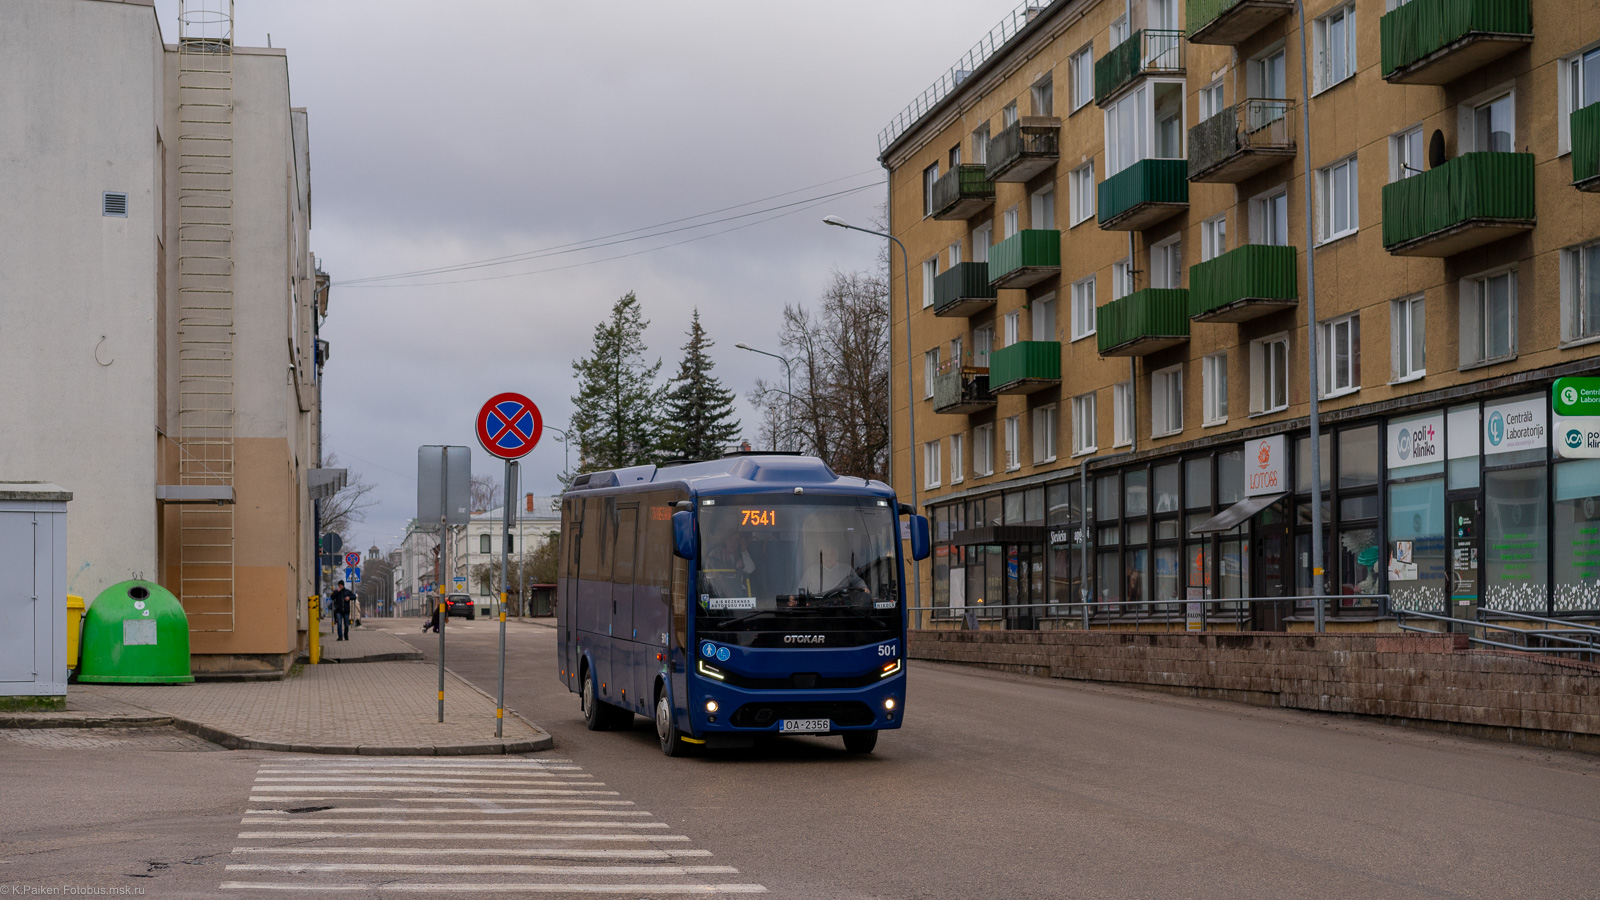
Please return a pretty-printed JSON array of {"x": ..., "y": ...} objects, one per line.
[
  {"x": 509, "y": 425},
  {"x": 1263, "y": 466}
]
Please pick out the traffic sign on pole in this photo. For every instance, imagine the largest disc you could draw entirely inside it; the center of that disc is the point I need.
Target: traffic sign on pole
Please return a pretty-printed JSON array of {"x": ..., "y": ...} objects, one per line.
[
  {"x": 509, "y": 425},
  {"x": 352, "y": 559}
]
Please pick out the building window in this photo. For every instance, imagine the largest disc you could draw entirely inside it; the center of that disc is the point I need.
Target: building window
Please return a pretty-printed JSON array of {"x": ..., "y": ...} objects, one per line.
[
  {"x": 1043, "y": 96},
  {"x": 955, "y": 352},
  {"x": 983, "y": 450},
  {"x": 955, "y": 255},
  {"x": 1011, "y": 223},
  {"x": 1166, "y": 401},
  {"x": 1214, "y": 382},
  {"x": 1081, "y": 185},
  {"x": 1341, "y": 355},
  {"x": 1166, "y": 264},
  {"x": 1008, "y": 116},
  {"x": 1580, "y": 292},
  {"x": 1494, "y": 126},
  {"x": 1044, "y": 434},
  {"x": 930, "y": 368},
  {"x": 1013, "y": 437},
  {"x": 1578, "y": 86},
  {"x": 1122, "y": 414},
  {"x": 982, "y": 238},
  {"x": 1044, "y": 317},
  {"x": 1121, "y": 279},
  {"x": 1083, "y": 422},
  {"x": 1081, "y": 69},
  {"x": 1119, "y": 30},
  {"x": 1267, "y": 78},
  {"x": 1406, "y": 338},
  {"x": 1211, "y": 100},
  {"x": 930, "y": 464},
  {"x": 930, "y": 269},
  {"x": 1406, "y": 154},
  {"x": 956, "y": 462},
  {"x": 1214, "y": 237},
  {"x": 1269, "y": 219},
  {"x": 982, "y": 344},
  {"x": 1146, "y": 123},
  {"x": 1336, "y": 196},
  {"x": 1488, "y": 318},
  {"x": 1043, "y": 213},
  {"x": 1335, "y": 53},
  {"x": 930, "y": 176},
  {"x": 1269, "y": 374},
  {"x": 980, "y": 144},
  {"x": 1083, "y": 308},
  {"x": 955, "y": 157},
  {"x": 1012, "y": 322},
  {"x": 483, "y": 543}
]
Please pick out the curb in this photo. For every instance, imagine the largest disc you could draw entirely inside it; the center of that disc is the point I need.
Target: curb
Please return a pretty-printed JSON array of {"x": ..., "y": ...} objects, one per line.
[
  {"x": 409, "y": 656},
  {"x": 548, "y": 740},
  {"x": 237, "y": 742},
  {"x": 21, "y": 722}
]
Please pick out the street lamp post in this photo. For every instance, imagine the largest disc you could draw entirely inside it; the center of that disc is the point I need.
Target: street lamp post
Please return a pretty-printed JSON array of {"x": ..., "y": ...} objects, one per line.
[
  {"x": 1311, "y": 332},
  {"x": 911, "y": 403},
  {"x": 788, "y": 407},
  {"x": 565, "y": 450}
]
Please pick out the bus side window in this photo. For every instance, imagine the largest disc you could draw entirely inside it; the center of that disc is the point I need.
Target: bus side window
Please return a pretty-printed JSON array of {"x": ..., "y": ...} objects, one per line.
[
  {"x": 680, "y": 601},
  {"x": 590, "y": 532}
]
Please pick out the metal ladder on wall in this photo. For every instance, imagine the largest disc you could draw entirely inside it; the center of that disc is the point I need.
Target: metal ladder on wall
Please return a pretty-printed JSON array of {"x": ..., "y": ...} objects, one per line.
[{"x": 206, "y": 308}]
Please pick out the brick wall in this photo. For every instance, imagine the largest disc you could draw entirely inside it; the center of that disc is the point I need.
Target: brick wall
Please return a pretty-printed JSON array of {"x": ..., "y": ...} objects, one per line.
[{"x": 1429, "y": 680}]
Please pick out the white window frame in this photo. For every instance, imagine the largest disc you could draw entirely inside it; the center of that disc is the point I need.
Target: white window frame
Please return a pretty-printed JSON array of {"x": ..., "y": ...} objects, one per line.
[
  {"x": 1119, "y": 30},
  {"x": 1011, "y": 323},
  {"x": 1473, "y": 308},
  {"x": 1269, "y": 375},
  {"x": 1130, "y": 126},
  {"x": 1324, "y": 76},
  {"x": 1042, "y": 311},
  {"x": 1467, "y": 116},
  {"x": 1212, "y": 100},
  {"x": 955, "y": 157},
  {"x": 930, "y": 271},
  {"x": 1121, "y": 278},
  {"x": 1166, "y": 263},
  {"x": 1008, "y": 116},
  {"x": 930, "y": 176},
  {"x": 980, "y": 144},
  {"x": 982, "y": 345},
  {"x": 1042, "y": 95},
  {"x": 1576, "y": 269},
  {"x": 1214, "y": 387},
  {"x": 1263, "y": 214},
  {"x": 1083, "y": 424},
  {"x": 1081, "y": 187},
  {"x": 1166, "y": 401},
  {"x": 930, "y": 464},
  {"x": 1570, "y": 93},
  {"x": 957, "y": 464},
  {"x": 1011, "y": 221},
  {"x": 1402, "y": 144},
  {"x": 1013, "y": 449},
  {"x": 1258, "y": 73},
  {"x": 1339, "y": 376},
  {"x": 1080, "y": 67},
  {"x": 1122, "y": 414},
  {"x": 1044, "y": 434},
  {"x": 1327, "y": 184},
  {"x": 930, "y": 368},
  {"x": 982, "y": 240},
  {"x": 953, "y": 256},
  {"x": 1042, "y": 208},
  {"x": 955, "y": 352},
  {"x": 1083, "y": 308},
  {"x": 1403, "y": 362},
  {"x": 983, "y": 450},
  {"x": 1214, "y": 237}
]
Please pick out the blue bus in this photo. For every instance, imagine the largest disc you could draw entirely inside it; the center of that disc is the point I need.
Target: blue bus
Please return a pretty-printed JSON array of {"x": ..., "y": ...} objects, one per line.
[{"x": 752, "y": 595}]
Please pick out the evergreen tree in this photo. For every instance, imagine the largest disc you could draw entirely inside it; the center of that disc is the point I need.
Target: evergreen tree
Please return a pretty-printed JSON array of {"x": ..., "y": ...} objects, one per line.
[
  {"x": 617, "y": 419},
  {"x": 699, "y": 422}
]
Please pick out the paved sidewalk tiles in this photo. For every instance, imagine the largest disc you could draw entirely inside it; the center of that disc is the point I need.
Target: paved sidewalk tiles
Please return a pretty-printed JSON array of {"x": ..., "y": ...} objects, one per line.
[{"x": 367, "y": 643}]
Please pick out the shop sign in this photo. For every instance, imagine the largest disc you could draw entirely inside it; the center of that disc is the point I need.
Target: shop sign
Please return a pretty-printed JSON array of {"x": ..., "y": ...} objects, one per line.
[
  {"x": 1519, "y": 425},
  {"x": 1264, "y": 466},
  {"x": 1576, "y": 404},
  {"x": 1416, "y": 441}
]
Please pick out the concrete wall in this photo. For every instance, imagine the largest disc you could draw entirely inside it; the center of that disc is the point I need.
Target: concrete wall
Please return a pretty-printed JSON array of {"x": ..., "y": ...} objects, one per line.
[
  {"x": 79, "y": 115},
  {"x": 1415, "y": 679}
]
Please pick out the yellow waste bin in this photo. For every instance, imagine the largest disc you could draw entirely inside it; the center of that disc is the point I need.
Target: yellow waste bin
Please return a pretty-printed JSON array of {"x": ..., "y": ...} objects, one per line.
[{"x": 74, "y": 628}]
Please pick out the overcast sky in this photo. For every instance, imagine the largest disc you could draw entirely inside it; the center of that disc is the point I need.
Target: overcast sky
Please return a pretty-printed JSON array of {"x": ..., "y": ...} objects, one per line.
[{"x": 444, "y": 134}]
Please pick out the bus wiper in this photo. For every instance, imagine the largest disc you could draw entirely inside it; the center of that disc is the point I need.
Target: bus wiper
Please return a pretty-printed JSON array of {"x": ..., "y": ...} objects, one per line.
[{"x": 745, "y": 618}]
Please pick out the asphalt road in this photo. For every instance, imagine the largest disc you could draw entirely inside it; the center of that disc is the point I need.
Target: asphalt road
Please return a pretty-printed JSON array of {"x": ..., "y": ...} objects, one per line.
[{"x": 1016, "y": 787}]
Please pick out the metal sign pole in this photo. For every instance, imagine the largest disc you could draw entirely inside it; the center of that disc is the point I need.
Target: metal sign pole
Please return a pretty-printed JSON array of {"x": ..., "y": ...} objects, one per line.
[
  {"x": 444, "y": 531},
  {"x": 505, "y": 551}
]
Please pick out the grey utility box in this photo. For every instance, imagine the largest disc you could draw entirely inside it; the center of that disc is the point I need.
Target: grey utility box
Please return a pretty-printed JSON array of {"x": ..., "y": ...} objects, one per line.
[{"x": 33, "y": 594}]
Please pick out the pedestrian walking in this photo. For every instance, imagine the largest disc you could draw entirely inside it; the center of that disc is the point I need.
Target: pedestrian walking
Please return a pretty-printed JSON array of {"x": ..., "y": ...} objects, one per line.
[
  {"x": 433, "y": 621},
  {"x": 339, "y": 605}
]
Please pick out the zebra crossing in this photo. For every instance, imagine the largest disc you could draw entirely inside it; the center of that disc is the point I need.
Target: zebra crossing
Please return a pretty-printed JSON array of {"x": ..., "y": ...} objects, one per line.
[{"x": 508, "y": 825}]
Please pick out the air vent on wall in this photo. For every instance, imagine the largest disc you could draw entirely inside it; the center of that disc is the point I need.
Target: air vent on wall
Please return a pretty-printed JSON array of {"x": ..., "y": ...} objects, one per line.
[{"x": 114, "y": 203}]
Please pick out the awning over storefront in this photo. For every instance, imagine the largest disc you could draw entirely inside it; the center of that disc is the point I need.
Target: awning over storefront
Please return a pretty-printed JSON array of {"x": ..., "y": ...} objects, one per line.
[{"x": 1237, "y": 513}]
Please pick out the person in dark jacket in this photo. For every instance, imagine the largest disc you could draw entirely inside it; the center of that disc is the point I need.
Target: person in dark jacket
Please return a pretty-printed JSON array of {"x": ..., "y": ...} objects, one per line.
[
  {"x": 433, "y": 621},
  {"x": 339, "y": 605}
]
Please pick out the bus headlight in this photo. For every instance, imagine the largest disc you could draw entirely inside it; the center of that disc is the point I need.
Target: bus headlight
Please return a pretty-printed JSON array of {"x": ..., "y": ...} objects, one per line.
[
  {"x": 709, "y": 671},
  {"x": 711, "y": 706},
  {"x": 889, "y": 669},
  {"x": 888, "y": 703}
]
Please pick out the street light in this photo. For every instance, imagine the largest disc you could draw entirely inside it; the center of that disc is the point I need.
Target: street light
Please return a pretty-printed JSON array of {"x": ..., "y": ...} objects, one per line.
[
  {"x": 788, "y": 407},
  {"x": 911, "y": 404},
  {"x": 565, "y": 450}
]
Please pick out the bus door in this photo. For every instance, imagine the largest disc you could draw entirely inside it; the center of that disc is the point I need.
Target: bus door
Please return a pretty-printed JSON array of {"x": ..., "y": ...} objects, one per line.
[
  {"x": 623, "y": 653},
  {"x": 566, "y": 601}
]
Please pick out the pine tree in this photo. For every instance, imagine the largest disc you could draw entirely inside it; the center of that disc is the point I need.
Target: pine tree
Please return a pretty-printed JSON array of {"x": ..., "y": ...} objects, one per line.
[
  {"x": 699, "y": 422},
  {"x": 617, "y": 419}
]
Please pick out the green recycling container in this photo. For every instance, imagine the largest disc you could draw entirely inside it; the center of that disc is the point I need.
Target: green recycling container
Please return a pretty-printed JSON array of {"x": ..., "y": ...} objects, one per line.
[{"x": 135, "y": 633}]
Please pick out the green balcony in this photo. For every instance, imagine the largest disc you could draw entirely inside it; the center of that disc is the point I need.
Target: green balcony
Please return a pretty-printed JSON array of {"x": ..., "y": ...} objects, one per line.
[
  {"x": 1232, "y": 22},
  {"x": 1438, "y": 41},
  {"x": 1143, "y": 194},
  {"x": 962, "y": 193},
  {"x": 1147, "y": 52},
  {"x": 1241, "y": 141},
  {"x": 1143, "y": 322},
  {"x": 1469, "y": 201},
  {"x": 1586, "y": 148},
  {"x": 964, "y": 390},
  {"x": 1023, "y": 149},
  {"x": 1025, "y": 259},
  {"x": 962, "y": 290},
  {"x": 1025, "y": 367},
  {"x": 1245, "y": 283}
]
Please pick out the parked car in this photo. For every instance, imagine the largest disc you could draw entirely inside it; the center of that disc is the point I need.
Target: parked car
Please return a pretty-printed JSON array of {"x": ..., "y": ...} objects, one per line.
[{"x": 461, "y": 605}]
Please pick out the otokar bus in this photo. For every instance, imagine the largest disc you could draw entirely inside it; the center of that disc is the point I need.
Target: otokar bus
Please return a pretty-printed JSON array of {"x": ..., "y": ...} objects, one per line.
[{"x": 753, "y": 595}]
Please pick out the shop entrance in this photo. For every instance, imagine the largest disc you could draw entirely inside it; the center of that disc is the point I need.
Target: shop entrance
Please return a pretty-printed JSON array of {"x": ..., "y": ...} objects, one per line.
[
  {"x": 1024, "y": 585},
  {"x": 1271, "y": 573}
]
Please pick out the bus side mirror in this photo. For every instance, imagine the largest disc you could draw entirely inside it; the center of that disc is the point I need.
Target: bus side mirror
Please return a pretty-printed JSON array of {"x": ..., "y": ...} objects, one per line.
[
  {"x": 919, "y": 537},
  {"x": 684, "y": 544}
]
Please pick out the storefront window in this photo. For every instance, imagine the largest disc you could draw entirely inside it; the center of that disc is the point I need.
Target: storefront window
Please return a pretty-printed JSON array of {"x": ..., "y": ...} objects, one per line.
[
  {"x": 1358, "y": 457},
  {"x": 1577, "y": 536},
  {"x": 1166, "y": 479},
  {"x": 1197, "y": 557},
  {"x": 1416, "y": 563},
  {"x": 1463, "y": 427},
  {"x": 1137, "y": 484},
  {"x": 1014, "y": 508},
  {"x": 1233, "y": 571},
  {"x": 1107, "y": 498},
  {"x": 1108, "y": 577},
  {"x": 1230, "y": 477},
  {"x": 1515, "y": 575},
  {"x": 1061, "y": 503},
  {"x": 1137, "y": 575},
  {"x": 1302, "y": 459},
  {"x": 992, "y": 598},
  {"x": 1167, "y": 575},
  {"x": 1357, "y": 568},
  {"x": 1197, "y": 483},
  {"x": 1033, "y": 506}
]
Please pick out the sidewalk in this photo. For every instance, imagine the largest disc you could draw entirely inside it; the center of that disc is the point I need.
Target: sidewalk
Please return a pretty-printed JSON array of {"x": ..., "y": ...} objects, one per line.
[{"x": 367, "y": 644}]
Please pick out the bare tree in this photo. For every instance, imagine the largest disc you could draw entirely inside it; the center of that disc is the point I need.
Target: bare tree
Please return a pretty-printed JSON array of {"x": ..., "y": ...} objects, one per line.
[
  {"x": 343, "y": 510},
  {"x": 485, "y": 493}
]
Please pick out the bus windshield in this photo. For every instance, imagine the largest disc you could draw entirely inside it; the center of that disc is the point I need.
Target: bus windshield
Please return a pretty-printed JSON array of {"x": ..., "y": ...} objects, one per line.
[{"x": 793, "y": 563}]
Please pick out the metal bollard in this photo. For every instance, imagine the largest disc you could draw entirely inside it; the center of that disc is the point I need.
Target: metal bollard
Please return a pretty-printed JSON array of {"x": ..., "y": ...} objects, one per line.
[{"x": 314, "y": 632}]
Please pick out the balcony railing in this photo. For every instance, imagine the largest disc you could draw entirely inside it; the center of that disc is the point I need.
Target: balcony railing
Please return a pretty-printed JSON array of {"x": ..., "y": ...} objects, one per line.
[
  {"x": 1245, "y": 283},
  {"x": 1023, "y": 149},
  {"x": 1241, "y": 141},
  {"x": 963, "y": 390},
  {"x": 962, "y": 193},
  {"x": 1464, "y": 203},
  {"x": 1585, "y": 124},
  {"x": 1143, "y": 322},
  {"x": 1438, "y": 41},
  {"x": 1143, "y": 194},
  {"x": 1232, "y": 22},
  {"x": 1150, "y": 51},
  {"x": 1026, "y": 258},
  {"x": 962, "y": 290},
  {"x": 1024, "y": 367}
]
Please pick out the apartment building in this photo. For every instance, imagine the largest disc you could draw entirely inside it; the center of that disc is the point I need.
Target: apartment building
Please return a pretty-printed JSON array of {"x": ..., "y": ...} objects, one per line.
[
  {"x": 1111, "y": 270},
  {"x": 476, "y": 545},
  {"x": 161, "y": 304}
]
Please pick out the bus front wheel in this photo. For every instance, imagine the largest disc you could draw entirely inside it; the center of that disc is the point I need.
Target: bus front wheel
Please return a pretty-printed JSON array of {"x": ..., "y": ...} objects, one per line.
[
  {"x": 860, "y": 741},
  {"x": 672, "y": 742}
]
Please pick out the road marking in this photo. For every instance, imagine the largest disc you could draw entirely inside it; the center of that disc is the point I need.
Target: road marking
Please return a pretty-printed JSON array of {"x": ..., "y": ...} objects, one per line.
[
  {"x": 412, "y": 811},
  {"x": 258, "y": 820},
  {"x": 402, "y": 780},
  {"x": 391, "y": 887},
  {"x": 456, "y": 836},
  {"x": 529, "y": 852},
  {"x": 417, "y": 788},
  {"x": 506, "y": 869}
]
